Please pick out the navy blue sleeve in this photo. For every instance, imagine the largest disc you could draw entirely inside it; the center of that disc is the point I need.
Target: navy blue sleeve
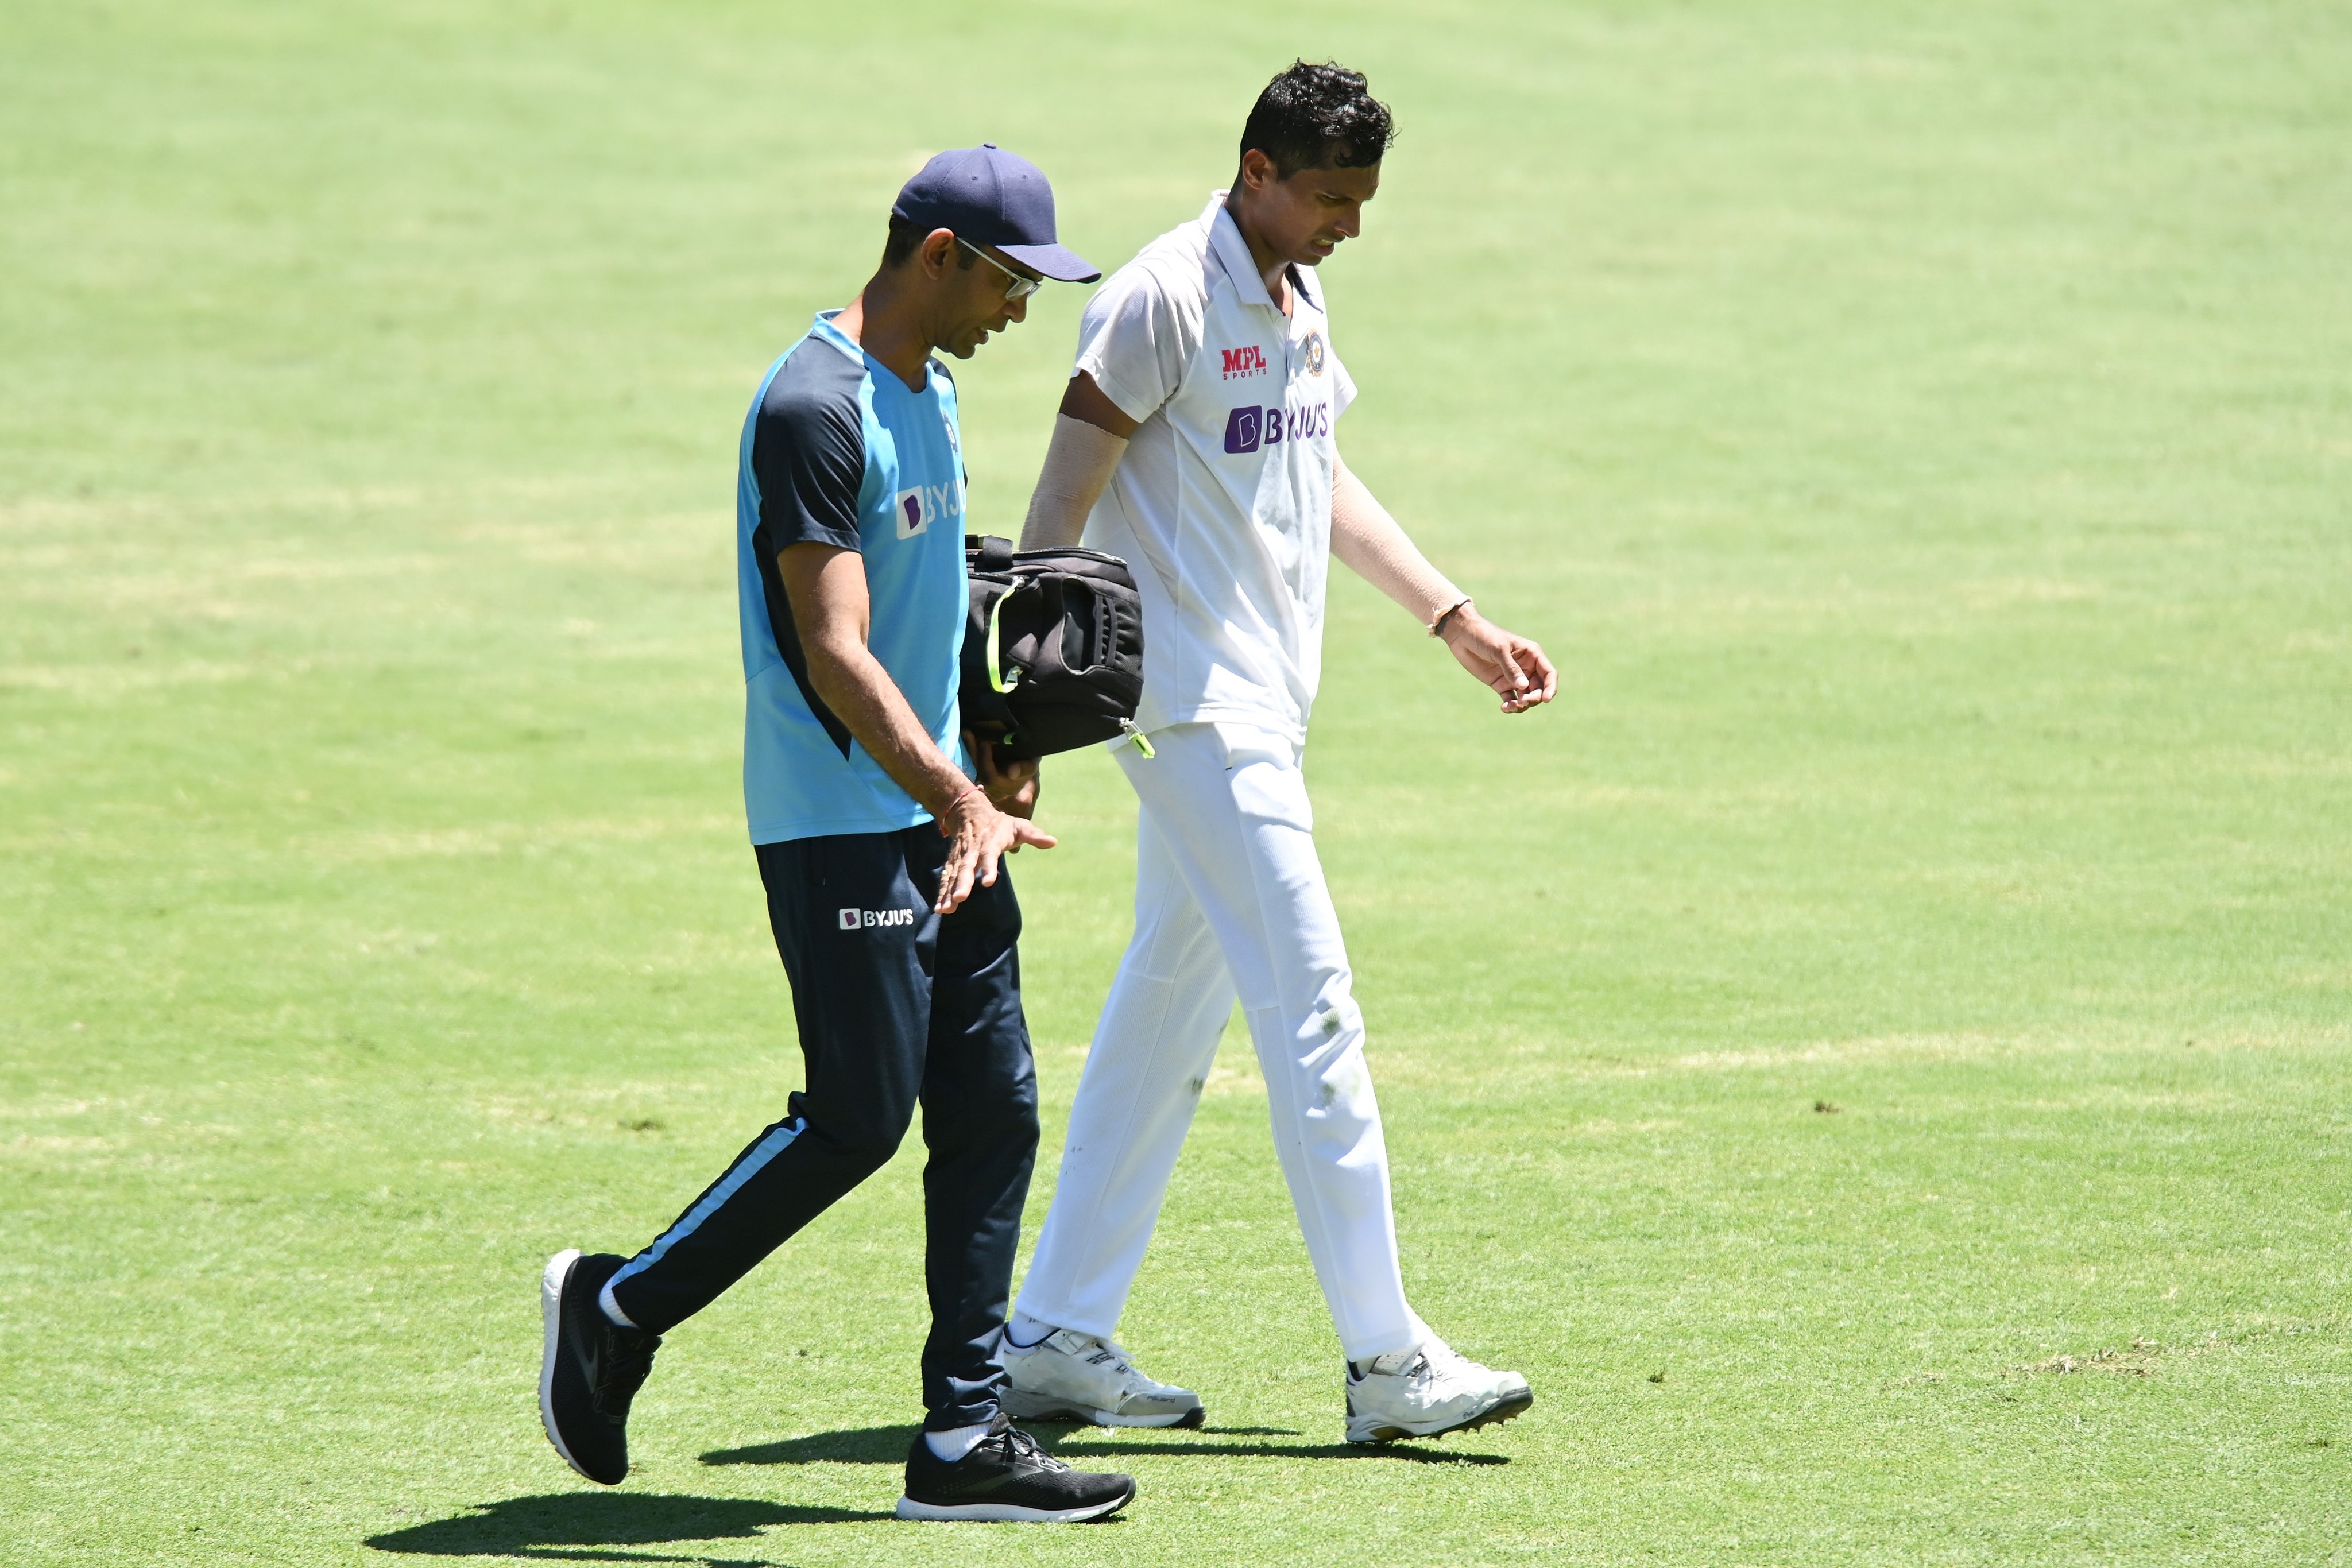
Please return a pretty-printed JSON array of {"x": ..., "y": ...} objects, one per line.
[{"x": 808, "y": 451}]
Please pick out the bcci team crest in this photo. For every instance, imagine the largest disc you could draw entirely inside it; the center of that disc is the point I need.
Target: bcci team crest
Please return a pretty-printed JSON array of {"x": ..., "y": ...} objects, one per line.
[{"x": 1315, "y": 353}]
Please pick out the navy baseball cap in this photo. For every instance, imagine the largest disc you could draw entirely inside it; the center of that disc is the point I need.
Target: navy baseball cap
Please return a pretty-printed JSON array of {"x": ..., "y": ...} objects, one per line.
[{"x": 992, "y": 198}]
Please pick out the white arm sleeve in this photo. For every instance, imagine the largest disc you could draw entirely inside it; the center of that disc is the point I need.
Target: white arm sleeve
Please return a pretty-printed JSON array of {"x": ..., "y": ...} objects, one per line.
[
  {"x": 1369, "y": 542},
  {"x": 1080, "y": 462}
]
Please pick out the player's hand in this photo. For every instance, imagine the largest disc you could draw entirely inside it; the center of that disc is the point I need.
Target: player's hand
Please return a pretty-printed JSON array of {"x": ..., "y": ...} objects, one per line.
[
  {"x": 1514, "y": 668},
  {"x": 982, "y": 835},
  {"x": 1012, "y": 786}
]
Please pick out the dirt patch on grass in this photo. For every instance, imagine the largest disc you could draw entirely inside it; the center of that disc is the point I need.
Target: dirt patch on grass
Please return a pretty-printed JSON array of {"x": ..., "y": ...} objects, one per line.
[
  {"x": 2141, "y": 1357},
  {"x": 2135, "y": 1360}
]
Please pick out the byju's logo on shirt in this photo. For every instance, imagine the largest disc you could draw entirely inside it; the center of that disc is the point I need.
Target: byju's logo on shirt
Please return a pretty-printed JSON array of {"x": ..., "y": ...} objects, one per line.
[
  {"x": 867, "y": 919},
  {"x": 915, "y": 508},
  {"x": 1247, "y": 361},
  {"x": 1245, "y": 428},
  {"x": 1242, "y": 428}
]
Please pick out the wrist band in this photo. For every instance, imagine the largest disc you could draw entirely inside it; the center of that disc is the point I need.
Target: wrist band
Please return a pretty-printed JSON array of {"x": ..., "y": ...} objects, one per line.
[
  {"x": 975, "y": 790},
  {"x": 1437, "y": 627}
]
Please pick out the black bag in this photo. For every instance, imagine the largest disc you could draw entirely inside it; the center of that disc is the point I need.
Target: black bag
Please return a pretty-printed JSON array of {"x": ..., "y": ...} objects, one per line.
[{"x": 1053, "y": 650}]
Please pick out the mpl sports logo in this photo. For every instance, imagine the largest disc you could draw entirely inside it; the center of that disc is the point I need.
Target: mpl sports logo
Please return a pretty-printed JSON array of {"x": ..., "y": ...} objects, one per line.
[
  {"x": 868, "y": 919},
  {"x": 914, "y": 510},
  {"x": 1247, "y": 361},
  {"x": 1247, "y": 429}
]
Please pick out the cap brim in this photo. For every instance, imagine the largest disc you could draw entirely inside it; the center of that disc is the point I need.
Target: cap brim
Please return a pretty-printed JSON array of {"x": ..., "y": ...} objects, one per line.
[{"x": 1061, "y": 266}]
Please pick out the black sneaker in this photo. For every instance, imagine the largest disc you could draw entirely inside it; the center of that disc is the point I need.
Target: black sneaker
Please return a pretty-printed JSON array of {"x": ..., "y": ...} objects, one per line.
[
  {"x": 1007, "y": 1477},
  {"x": 590, "y": 1367}
]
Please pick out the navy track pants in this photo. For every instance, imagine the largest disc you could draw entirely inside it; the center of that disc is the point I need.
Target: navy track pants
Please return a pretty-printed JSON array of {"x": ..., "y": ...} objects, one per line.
[{"x": 897, "y": 1007}]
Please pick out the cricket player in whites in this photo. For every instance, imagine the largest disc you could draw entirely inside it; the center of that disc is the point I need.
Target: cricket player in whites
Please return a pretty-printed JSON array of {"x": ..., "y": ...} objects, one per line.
[{"x": 1195, "y": 441}]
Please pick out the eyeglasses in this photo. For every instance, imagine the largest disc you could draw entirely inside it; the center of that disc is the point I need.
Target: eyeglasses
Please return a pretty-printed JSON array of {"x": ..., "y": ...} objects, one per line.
[{"x": 1015, "y": 285}]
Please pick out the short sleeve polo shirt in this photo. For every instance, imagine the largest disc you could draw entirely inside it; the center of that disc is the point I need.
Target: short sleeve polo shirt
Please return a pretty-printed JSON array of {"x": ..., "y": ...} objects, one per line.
[
  {"x": 837, "y": 450},
  {"x": 1225, "y": 490}
]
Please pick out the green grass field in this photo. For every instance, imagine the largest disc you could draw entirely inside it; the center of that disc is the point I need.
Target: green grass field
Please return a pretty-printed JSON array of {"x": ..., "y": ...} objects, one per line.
[{"x": 1874, "y": 1053}]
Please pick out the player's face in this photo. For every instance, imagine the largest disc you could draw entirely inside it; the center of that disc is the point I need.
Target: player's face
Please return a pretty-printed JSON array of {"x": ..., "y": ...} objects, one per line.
[
  {"x": 1304, "y": 219},
  {"x": 973, "y": 302}
]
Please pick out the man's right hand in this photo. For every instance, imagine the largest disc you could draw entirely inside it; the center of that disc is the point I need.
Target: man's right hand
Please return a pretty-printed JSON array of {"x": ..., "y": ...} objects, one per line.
[{"x": 982, "y": 835}]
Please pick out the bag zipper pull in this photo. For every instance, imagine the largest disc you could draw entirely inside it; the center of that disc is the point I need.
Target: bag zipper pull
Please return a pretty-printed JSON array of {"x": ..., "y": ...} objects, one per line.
[{"x": 1142, "y": 741}]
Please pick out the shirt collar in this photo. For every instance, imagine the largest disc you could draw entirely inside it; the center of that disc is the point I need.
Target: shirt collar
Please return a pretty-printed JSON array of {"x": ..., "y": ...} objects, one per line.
[
  {"x": 825, "y": 332},
  {"x": 1234, "y": 252},
  {"x": 1307, "y": 291},
  {"x": 1225, "y": 239}
]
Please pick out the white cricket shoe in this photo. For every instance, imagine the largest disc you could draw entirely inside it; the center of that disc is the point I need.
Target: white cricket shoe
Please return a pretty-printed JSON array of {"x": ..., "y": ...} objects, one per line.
[
  {"x": 1072, "y": 1377},
  {"x": 1422, "y": 1392}
]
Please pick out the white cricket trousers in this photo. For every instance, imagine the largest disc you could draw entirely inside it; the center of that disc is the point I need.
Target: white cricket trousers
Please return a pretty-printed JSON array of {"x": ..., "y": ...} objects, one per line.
[{"x": 1229, "y": 901}]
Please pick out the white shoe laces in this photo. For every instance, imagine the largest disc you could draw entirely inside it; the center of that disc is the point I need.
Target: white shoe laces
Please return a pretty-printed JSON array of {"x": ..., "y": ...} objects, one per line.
[
  {"x": 1125, "y": 1366},
  {"x": 1091, "y": 1348}
]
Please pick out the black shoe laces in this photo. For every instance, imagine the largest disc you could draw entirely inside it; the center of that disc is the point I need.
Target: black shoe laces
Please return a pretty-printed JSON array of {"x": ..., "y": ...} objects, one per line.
[
  {"x": 1019, "y": 1445},
  {"x": 627, "y": 1359}
]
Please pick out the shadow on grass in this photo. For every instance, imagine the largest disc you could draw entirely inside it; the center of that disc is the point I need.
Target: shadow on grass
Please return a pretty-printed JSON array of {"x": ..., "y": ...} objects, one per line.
[
  {"x": 887, "y": 1445},
  {"x": 857, "y": 1446},
  {"x": 570, "y": 1526},
  {"x": 1098, "y": 1449}
]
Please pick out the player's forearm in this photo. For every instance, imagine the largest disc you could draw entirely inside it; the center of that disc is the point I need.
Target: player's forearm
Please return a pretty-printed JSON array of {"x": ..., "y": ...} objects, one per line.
[
  {"x": 1369, "y": 543},
  {"x": 862, "y": 695},
  {"x": 1080, "y": 462}
]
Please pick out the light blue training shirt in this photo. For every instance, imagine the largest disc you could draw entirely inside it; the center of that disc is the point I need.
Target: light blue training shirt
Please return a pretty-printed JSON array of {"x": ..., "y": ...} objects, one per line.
[{"x": 836, "y": 450}]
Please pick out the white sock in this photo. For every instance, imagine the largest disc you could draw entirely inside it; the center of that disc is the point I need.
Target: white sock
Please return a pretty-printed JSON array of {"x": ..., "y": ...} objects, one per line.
[
  {"x": 612, "y": 1306},
  {"x": 1026, "y": 1331},
  {"x": 950, "y": 1447}
]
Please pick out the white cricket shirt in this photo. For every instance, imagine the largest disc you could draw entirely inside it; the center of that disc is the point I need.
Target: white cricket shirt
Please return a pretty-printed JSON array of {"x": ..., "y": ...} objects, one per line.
[{"x": 1222, "y": 503}]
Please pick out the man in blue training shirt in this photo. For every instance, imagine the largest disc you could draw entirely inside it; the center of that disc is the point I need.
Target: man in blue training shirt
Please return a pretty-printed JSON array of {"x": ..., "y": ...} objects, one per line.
[{"x": 880, "y": 857}]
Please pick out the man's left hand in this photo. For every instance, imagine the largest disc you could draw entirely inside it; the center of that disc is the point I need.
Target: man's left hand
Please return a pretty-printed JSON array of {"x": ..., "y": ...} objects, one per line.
[
  {"x": 1511, "y": 665},
  {"x": 1012, "y": 786}
]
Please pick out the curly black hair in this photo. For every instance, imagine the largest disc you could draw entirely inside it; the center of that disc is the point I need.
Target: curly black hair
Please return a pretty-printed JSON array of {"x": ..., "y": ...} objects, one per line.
[{"x": 1316, "y": 117}]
